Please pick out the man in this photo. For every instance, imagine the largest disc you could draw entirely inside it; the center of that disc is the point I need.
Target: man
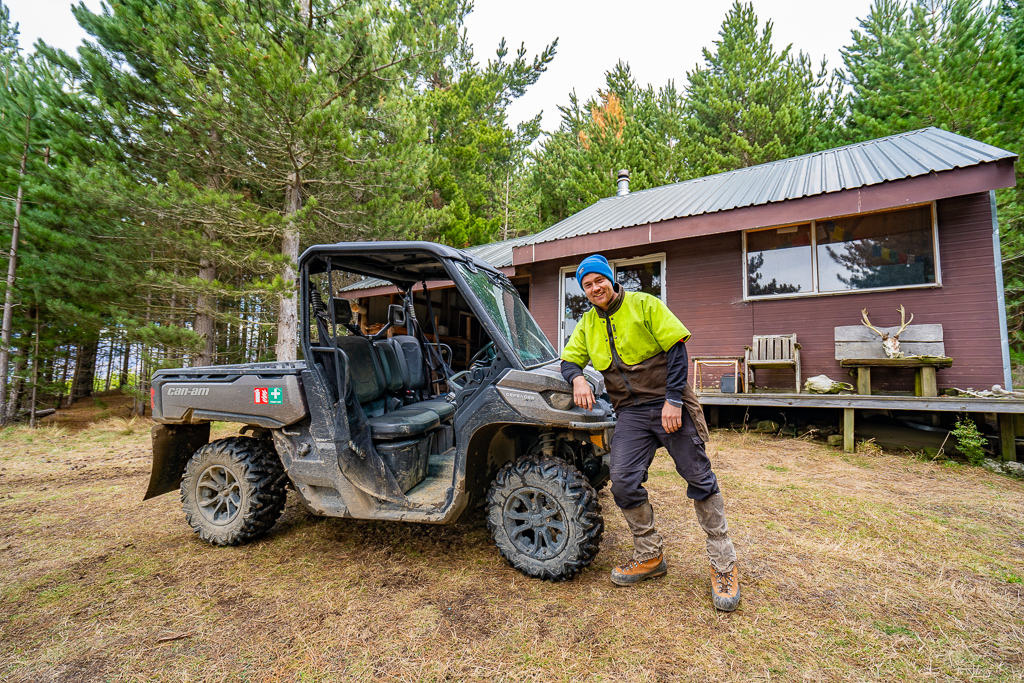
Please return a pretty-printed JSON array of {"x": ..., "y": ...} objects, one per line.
[{"x": 639, "y": 346}]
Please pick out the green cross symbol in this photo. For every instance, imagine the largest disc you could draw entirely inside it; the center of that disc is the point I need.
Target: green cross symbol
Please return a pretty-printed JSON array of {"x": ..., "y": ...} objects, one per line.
[{"x": 276, "y": 395}]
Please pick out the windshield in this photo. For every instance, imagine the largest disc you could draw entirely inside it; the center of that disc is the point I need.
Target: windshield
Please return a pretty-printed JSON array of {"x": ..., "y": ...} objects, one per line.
[{"x": 506, "y": 309}]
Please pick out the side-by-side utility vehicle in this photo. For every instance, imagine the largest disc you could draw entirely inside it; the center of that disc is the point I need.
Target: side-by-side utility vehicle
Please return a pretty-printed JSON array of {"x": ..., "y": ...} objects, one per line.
[{"x": 381, "y": 422}]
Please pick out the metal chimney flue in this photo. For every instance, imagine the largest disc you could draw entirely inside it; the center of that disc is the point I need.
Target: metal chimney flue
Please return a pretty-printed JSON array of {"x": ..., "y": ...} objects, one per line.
[{"x": 623, "y": 183}]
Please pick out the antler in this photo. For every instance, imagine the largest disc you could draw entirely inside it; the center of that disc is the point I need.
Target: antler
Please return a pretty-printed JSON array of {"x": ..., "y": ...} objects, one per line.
[
  {"x": 867, "y": 323},
  {"x": 903, "y": 321}
]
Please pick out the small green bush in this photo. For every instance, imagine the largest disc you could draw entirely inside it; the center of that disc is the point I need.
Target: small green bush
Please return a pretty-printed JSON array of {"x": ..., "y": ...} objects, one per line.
[{"x": 969, "y": 440}]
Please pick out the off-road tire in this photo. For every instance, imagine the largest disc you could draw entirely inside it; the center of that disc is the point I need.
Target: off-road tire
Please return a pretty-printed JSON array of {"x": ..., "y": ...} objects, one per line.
[
  {"x": 253, "y": 479},
  {"x": 527, "y": 503}
]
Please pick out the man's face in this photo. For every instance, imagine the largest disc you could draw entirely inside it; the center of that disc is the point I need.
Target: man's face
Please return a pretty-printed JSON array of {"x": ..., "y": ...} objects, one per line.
[{"x": 598, "y": 289}]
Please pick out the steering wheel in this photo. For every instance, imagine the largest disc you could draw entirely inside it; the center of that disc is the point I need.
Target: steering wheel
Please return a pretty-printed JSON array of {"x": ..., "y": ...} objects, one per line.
[{"x": 487, "y": 349}]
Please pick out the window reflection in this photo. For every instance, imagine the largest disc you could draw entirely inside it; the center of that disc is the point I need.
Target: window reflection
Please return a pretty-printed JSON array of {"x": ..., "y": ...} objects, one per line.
[
  {"x": 640, "y": 277},
  {"x": 779, "y": 261},
  {"x": 576, "y": 305},
  {"x": 891, "y": 249}
]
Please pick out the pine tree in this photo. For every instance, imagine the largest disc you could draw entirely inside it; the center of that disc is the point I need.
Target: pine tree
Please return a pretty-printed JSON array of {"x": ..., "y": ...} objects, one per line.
[
  {"x": 623, "y": 127},
  {"x": 943, "y": 63},
  {"x": 250, "y": 124},
  {"x": 17, "y": 111},
  {"x": 477, "y": 158},
  {"x": 749, "y": 104},
  {"x": 957, "y": 65}
]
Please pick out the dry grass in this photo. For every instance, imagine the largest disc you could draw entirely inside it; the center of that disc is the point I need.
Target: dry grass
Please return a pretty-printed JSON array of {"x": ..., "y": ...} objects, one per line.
[{"x": 864, "y": 567}]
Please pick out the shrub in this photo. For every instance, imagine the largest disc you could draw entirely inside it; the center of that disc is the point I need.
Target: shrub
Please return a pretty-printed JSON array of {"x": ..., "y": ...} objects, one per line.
[{"x": 969, "y": 440}]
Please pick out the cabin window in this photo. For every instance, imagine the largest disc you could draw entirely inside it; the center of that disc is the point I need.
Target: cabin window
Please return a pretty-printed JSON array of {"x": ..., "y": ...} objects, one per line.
[
  {"x": 779, "y": 261},
  {"x": 645, "y": 274},
  {"x": 885, "y": 250}
]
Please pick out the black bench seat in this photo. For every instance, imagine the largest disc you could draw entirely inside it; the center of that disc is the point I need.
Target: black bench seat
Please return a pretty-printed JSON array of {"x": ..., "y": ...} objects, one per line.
[
  {"x": 404, "y": 423},
  {"x": 442, "y": 407}
]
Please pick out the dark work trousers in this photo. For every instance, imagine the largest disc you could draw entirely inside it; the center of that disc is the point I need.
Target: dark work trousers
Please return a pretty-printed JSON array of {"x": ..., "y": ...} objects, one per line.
[{"x": 638, "y": 433}]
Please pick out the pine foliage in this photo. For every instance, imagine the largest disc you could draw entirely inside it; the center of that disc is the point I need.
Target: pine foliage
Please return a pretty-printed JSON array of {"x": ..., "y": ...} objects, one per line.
[
  {"x": 170, "y": 171},
  {"x": 750, "y": 104}
]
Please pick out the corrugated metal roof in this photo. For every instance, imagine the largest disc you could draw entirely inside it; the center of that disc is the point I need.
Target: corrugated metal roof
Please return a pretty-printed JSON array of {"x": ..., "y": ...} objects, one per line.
[
  {"x": 906, "y": 155},
  {"x": 498, "y": 254}
]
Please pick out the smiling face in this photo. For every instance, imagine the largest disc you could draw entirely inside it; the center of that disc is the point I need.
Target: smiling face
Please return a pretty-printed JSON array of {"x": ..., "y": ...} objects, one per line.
[{"x": 599, "y": 290}]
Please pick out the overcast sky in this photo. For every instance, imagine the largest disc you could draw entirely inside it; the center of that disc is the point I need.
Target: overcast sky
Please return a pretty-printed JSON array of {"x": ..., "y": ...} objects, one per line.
[{"x": 660, "y": 39}]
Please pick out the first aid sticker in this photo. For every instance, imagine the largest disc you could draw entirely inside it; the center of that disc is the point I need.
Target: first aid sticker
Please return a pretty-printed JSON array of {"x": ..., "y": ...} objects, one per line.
[{"x": 259, "y": 395}]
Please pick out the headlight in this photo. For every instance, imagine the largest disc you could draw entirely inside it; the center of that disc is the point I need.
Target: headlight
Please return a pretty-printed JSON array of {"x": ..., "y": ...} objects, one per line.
[{"x": 559, "y": 400}]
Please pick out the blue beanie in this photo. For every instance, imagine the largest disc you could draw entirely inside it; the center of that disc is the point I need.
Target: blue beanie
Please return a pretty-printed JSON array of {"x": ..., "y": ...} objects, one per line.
[{"x": 594, "y": 264}]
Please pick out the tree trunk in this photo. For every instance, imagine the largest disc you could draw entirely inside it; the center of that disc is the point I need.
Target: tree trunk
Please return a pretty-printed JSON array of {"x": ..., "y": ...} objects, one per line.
[
  {"x": 205, "y": 308},
  {"x": 17, "y": 384},
  {"x": 142, "y": 383},
  {"x": 125, "y": 363},
  {"x": 206, "y": 303},
  {"x": 110, "y": 358},
  {"x": 85, "y": 370},
  {"x": 35, "y": 377},
  {"x": 64, "y": 378},
  {"x": 287, "y": 319},
  {"x": 12, "y": 265}
]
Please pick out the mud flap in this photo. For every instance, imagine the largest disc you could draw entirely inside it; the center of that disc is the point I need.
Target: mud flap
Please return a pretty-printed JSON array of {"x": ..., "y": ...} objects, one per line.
[{"x": 173, "y": 445}]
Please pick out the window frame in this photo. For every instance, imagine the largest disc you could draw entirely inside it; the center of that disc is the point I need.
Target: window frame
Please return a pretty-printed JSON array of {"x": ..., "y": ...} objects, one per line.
[
  {"x": 658, "y": 257},
  {"x": 814, "y": 257}
]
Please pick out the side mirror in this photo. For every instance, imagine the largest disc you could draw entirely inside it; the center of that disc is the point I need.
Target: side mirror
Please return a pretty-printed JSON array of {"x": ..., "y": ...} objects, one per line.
[
  {"x": 342, "y": 311},
  {"x": 396, "y": 315}
]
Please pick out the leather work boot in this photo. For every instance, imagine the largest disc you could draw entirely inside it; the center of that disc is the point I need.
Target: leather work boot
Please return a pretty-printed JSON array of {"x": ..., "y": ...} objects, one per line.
[
  {"x": 636, "y": 571},
  {"x": 725, "y": 585},
  {"x": 711, "y": 517},
  {"x": 725, "y": 589},
  {"x": 648, "y": 560}
]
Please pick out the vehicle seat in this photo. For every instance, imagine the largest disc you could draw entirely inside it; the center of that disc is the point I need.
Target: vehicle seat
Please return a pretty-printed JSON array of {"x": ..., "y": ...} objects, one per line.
[
  {"x": 368, "y": 381},
  {"x": 409, "y": 356},
  {"x": 364, "y": 370},
  {"x": 389, "y": 363}
]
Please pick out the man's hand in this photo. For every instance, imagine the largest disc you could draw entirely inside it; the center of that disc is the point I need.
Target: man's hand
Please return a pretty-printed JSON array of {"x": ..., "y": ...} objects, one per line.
[
  {"x": 671, "y": 417},
  {"x": 582, "y": 394}
]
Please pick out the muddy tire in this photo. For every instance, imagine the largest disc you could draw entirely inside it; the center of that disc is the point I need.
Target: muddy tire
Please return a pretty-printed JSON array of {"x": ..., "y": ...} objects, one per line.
[
  {"x": 233, "y": 490},
  {"x": 545, "y": 518}
]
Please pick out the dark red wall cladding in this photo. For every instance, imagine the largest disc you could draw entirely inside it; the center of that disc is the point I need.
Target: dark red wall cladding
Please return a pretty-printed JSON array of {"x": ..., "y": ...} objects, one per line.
[{"x": 705, "y": 289}]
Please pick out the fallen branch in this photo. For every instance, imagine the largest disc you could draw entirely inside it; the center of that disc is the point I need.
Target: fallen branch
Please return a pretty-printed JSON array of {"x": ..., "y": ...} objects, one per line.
[{"x": 180, "y": 636}]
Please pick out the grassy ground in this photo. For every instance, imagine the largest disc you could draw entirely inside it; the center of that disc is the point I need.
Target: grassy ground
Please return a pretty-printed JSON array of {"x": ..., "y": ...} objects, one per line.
[{"x": 864, "y": 567}]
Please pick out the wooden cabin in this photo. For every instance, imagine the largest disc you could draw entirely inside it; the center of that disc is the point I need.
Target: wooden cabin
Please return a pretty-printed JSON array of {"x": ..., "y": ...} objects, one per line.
[{"x": 801, "y": 246}]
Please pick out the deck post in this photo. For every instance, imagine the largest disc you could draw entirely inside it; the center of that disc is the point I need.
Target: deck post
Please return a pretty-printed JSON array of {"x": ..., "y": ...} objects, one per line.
[
  {"x": 929, "y": 387},
  {"x": 848, "y": 430},
  {"x": 711, "y": 415},
  {"x": 1007, "y": 438},
  {"x": 864, "y": 381},
  {"x": 1018, "y": 423}
]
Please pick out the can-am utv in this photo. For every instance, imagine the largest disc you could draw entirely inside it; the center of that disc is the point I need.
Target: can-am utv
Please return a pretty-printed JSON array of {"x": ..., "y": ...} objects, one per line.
[{"x": 376, "y": 424}]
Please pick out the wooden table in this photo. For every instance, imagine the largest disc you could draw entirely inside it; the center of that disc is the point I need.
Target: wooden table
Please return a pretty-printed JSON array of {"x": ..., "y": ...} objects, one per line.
[
  {"x": 733, "y": 362},
  {"x": 924, "y": 377}
]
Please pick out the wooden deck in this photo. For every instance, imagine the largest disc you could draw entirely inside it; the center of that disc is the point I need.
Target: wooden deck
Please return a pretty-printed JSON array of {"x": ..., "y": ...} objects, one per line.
[{"x": 1005, "y": 408}]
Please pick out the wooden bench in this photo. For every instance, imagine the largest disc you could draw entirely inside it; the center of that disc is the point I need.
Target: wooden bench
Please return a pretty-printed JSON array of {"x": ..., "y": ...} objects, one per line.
[
  {"x": 772, "y": 351},
  {"x": 922, "y": 345}
]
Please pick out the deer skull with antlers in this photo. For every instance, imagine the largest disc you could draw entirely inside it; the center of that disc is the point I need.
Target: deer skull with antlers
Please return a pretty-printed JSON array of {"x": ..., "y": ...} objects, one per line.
[{"x": 890, "y": 342}]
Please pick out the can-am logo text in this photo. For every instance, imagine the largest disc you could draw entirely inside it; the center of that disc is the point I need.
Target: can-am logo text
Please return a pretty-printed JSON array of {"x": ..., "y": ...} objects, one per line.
[{"x": 188, "y": 391}]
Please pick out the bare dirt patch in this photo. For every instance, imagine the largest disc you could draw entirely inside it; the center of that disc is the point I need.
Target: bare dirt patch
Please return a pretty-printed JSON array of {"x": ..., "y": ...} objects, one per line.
[
  {"x": 84, "y": 413},
  {"x": 862, "y": 567}
]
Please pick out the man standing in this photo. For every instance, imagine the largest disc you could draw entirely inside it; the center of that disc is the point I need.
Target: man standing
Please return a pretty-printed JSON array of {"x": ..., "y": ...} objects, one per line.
[{"x": 639, "y": 346}]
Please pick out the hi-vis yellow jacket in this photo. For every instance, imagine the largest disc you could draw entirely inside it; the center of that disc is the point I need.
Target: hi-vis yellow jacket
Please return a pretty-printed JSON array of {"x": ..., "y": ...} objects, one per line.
[{"x": 642, "y": 327}]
